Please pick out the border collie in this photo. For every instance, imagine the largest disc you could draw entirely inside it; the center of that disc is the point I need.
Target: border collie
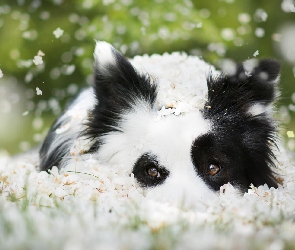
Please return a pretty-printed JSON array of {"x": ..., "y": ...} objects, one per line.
[{"x": 172, "y": 133}]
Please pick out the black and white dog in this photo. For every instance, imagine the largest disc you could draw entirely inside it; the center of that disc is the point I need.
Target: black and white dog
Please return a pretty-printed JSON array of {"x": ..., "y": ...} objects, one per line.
[{"x": 124, "y": 118}]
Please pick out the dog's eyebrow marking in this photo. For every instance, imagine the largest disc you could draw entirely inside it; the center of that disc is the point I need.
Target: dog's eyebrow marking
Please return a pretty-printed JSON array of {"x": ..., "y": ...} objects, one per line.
[{"x": 104, "y": 54}]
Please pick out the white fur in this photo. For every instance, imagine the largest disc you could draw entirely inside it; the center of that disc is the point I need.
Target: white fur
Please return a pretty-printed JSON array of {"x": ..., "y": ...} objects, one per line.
[
  {"x": 275, "y": 81},
  {"x": 103, "y": 54},
  {"x": 170, "y": 139}
]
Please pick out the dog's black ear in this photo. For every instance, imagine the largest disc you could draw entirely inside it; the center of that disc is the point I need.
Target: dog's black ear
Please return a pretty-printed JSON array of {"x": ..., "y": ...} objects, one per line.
[
  {"x": 118, "y": 88},
  {"x": 117, "y": 83},
  {"x": 251, "y": 88},
  {"x": 259, "y": 78}
]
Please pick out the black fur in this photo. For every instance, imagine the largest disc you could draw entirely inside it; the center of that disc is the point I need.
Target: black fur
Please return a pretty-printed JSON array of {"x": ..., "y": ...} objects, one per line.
[
  {"x": 239, "y": 142},
  {"x": 118, "y": 88}
]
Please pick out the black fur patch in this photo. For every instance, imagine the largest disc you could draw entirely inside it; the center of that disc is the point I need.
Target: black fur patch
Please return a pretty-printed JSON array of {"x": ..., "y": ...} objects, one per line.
[
  {"x": 239, "y": 141},
  {"x": 228, "y": 155}
]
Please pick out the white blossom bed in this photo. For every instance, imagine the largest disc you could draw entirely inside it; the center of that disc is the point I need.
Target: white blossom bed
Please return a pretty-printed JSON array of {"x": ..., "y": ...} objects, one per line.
[{"x": 99, "y": 209}]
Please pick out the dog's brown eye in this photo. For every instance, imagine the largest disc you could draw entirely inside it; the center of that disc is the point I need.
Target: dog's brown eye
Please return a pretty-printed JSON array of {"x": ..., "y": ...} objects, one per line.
[
  {"x": 153, "y": 172},
  {"x": 214, "y": 169},
  {"x": 148, "y": 172}
]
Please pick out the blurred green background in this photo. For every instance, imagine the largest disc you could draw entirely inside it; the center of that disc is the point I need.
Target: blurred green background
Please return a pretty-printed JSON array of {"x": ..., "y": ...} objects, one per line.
[{"x": 218, "y": 31}]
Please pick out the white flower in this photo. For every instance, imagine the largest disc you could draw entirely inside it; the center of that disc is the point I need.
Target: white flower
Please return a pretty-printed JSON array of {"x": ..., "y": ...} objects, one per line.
[
  {"x": 290, "y": 134},
  {"x": 38, "y": 91},
  {"x": 58, "y": 32},
  {"x": 80, "y": 146},
  {"x": 70, "y": 179},
  {"x": 60, "y": 192},
  {"x": 40, "y": 53},
  {"x": 69, "y": 69},
  {"x": 37, "y": 60},
  {"x": 26, "y": 113},
  {"x": 199, "y": 25},
  {"x": 259, "y": 32},
  {"x": 256, "y": 53},
  {"x": 1, "y": 73}
]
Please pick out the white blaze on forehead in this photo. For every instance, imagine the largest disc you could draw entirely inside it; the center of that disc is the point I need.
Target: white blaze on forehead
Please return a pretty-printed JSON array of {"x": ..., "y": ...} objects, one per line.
[
  {"x": 170, "y": 138},
  {"x": 104, "y": 54}
]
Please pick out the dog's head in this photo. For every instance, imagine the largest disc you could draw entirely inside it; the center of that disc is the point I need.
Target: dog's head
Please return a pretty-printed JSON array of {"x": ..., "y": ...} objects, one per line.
[{"x": 228, "y": 140}]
